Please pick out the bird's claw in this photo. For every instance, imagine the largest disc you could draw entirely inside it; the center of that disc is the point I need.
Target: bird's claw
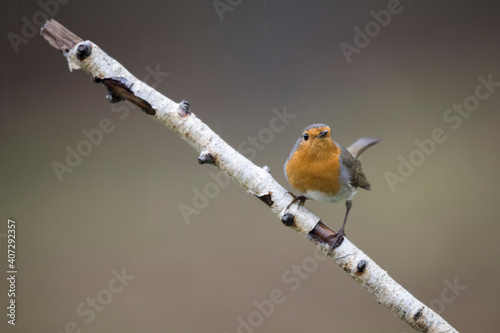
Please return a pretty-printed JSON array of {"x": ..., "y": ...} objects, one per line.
[
  {"x": 301, "y": 199},
  {"x": 337, "y": 240}
]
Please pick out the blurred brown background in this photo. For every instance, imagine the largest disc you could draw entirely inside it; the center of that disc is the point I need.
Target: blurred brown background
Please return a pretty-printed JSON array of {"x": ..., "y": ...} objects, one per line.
[{"x": 119, "y": 208}]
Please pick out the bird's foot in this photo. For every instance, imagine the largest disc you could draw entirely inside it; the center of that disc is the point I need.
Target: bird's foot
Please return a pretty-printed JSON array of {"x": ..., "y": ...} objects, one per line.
[
  {"x": 288, "y": 218},
  {"x": 301, "y": 199},
  {"x": 336, "y": 240}
]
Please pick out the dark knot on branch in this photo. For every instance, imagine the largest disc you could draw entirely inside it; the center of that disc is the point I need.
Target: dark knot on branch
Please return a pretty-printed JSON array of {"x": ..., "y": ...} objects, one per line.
[
  {"x": 206, "y": 157},
  {"x": 184, "y": 108},
  {"x": 83, "y": 50}
]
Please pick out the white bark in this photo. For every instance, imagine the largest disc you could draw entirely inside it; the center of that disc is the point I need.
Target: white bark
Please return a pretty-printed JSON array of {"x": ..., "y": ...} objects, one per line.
[{"x": 259, "y": 182}]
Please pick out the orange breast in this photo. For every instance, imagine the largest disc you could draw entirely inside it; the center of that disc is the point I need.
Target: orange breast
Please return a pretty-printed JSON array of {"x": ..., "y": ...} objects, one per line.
[{"x": 310, "y": 170}]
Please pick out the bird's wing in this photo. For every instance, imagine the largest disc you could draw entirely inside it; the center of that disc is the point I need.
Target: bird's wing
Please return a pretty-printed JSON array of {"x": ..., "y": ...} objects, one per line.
[{"x": 356, "y": 175}]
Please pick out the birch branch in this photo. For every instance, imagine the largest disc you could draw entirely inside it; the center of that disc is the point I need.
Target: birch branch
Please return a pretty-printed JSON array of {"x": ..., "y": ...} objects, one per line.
[{"x": 122, "y": 85}]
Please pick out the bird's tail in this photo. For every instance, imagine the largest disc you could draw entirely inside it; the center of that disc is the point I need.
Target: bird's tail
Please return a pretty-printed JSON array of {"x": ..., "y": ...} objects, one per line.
[{"x": 358, "y": 147}]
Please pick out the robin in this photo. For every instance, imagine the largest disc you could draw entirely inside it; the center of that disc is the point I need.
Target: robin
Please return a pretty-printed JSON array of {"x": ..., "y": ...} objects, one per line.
[{"x": 322, "y": 170}]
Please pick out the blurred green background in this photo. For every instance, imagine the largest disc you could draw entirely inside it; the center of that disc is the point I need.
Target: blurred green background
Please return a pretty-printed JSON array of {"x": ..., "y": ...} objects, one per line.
[{"x": 119, "y": 208}]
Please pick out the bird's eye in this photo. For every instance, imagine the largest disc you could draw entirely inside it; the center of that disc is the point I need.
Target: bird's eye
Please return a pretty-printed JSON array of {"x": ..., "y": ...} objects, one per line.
[{"x": 306, "y": 136}]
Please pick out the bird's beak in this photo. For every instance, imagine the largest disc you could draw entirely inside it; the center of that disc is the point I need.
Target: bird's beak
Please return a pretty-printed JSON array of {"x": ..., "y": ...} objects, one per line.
[{"x": 322, "y": 134}]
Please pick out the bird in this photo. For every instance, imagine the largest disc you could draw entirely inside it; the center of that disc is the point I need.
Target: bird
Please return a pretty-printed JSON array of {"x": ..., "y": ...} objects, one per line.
[{"x": 322, "y": 170}]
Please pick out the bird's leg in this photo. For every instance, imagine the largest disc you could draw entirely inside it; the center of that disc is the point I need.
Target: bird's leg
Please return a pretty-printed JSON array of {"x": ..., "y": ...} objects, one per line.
[
  {"x": 301, "y": 199},
  {"x": 338, "y": 238}
]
